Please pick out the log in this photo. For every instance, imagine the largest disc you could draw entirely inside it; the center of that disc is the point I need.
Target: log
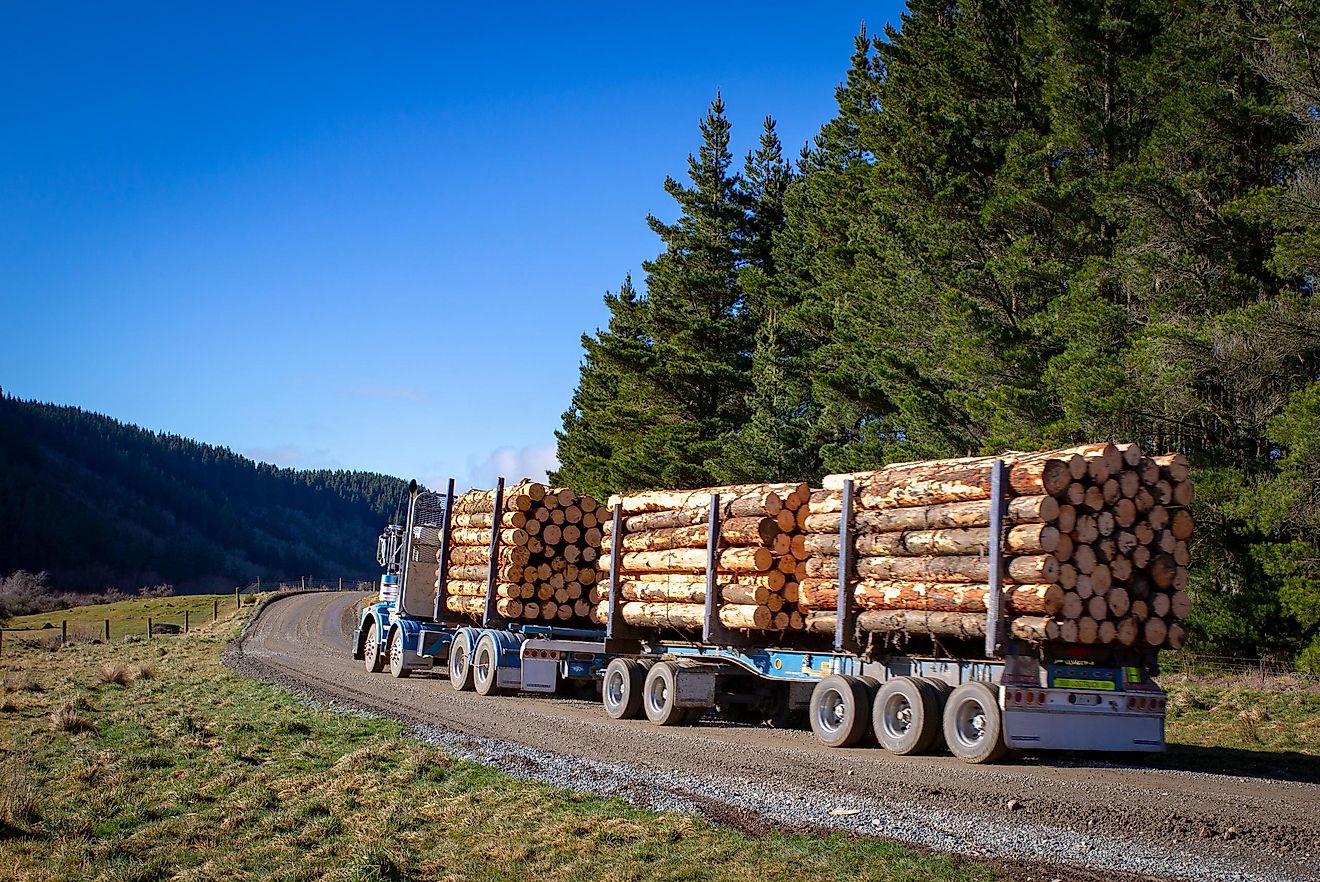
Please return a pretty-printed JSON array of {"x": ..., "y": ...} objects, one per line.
[
  {"x": 1072, "y": 606},
  {"x": 1045, "y": 473},
  {"x": 1180, "y": 605},
  {"x": 942, "y": 624},
  {"x": 1128, "y": 630},
  {"x": 692, "y": 615},
  {"x": 942, "y": 596},
  {"x": 961, "y": 568},
  {"x": 1066, "y": 522},
  {"x": 693, "y": 592},
  {"x": 736, "y": 531},
  {"x": 479, "y": 572},
  {"x": 1155, "y": 631},
  {"x": 1130, "y": 453},
  {"x": 741, "y": 502},
  {"x": 471, "y": 536},
  {"x": 1119, "y": 602},
  {"x": 1176, "y": 636},
  {"x": 1088, "y": 630},
  {"x": 1022, "y": 539},
  {"x": 693, "y": 560},
  {"x": 511, "y": 520},
  {"x": 1182, "y": 524},
  {"x": 1174, "y": 465},
  {"x": 1021, "y": 510},
  {"x": 471, "y": 554},
  {"x": 686, "y": 517}
]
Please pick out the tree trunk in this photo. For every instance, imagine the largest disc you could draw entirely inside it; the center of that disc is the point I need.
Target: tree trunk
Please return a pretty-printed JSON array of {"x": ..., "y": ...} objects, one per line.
[
  {"x": 733, "y": 532},
  {"x": 1022, "y": 539}
]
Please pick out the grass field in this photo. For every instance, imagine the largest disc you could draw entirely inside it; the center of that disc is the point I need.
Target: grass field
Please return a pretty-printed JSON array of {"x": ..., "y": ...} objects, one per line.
[
  {"x": 150, "y": 760},
  {"x": 127, "y": 617},
  {"x": 1282, "y": 714}
]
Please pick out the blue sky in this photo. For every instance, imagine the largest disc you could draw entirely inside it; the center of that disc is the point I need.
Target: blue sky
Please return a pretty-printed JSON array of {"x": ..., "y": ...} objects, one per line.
[{"x": 326, "y": 235}]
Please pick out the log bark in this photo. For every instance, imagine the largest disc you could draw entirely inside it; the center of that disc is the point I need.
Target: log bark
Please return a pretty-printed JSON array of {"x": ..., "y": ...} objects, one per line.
[
  {"x": 693, "y": 560},
  {"x": 692, "y": 615},
  {"x": 942, "y": 596},
  {"x": 1022, "y": 539},
  {"x": 960, "y": 568},
  {"x": 733, "y": 532},
  {"x": 942, "y": 624},
  {"x": 741, "y": 502},
  {"x": 1021, "y": 510}
]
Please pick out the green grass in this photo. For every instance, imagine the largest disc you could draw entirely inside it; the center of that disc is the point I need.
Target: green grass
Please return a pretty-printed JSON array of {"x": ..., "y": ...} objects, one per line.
[
  {"x": 127, "y": 617},
  {"x": 191, "y": 772},
  {"x": 1283, "y": 715}
]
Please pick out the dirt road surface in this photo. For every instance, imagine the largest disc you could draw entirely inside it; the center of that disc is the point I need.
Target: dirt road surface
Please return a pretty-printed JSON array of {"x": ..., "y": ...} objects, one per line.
[{"x": 1190, "y": 814}]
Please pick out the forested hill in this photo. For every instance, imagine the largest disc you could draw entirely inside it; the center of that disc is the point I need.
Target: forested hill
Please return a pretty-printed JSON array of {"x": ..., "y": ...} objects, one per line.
[{"x": 99, "y": 504}]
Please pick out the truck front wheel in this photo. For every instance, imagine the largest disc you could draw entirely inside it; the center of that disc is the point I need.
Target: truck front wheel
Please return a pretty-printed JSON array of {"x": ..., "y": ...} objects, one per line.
[
  {"x": 840, "y": 710},
  {"x": 460, "y": 662},
  {"x": 372, "y": 657},
  {"x": 398, "y": 658},
  {"x": 485, "y": 666},
  {"x": 973, "y": 724}
]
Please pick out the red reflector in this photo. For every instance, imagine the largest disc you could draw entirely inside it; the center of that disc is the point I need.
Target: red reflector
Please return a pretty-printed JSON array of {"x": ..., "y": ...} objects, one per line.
[
  {"x": 1132, "y": 702},
  {"x": 1141, "y": 703},
  {"x": 1041, "y": 698},
  {"x": 1017, "y": 696}
]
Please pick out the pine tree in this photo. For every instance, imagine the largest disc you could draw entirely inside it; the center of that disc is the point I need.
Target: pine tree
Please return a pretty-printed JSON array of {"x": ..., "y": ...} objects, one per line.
[
  {"x": 604, "y": 427},
  {"x": 775, "y": 443},
  {"x": 663, "y": 410}
]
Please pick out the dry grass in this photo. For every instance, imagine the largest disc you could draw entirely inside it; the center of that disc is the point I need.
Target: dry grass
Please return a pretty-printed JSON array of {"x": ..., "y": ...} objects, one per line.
[
  {"x": 198, "y": 774},
  {"x": 67, "y": 718},
  {"x": 117, "y": 673},
  {"x": 18, "y": 797},
  {"x": 144, "y": 671}
]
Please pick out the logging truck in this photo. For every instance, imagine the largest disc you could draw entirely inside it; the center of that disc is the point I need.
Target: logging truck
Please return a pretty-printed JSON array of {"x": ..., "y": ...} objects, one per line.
[{"x": 980, "y": 698}]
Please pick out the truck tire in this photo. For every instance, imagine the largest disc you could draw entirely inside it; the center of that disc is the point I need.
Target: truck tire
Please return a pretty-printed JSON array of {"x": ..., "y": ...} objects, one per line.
[
  {"x": 840, "y": 710},
  {"x": 372, "y": 657},
  {"x": 973, "y": 724},
  {"x": 398, "y": 657},
  {"x": 659, "y": 694},
  {"x": 906, "y": 716},
  {"x": 621, "y": 689},
  {"x": 485, "y": 666},
  {"x": 460, "y": 662}
]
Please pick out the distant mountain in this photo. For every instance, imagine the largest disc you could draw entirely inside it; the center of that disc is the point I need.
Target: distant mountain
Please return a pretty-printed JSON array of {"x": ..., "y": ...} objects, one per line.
[{"x": 99, "y": 504}]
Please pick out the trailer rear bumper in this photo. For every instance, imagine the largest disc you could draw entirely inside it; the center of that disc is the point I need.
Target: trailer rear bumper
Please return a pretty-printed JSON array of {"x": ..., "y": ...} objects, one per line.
[{"x": 1074, "y": 720}]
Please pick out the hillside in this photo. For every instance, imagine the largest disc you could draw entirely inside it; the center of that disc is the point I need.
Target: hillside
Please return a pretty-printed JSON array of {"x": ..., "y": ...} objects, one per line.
[{"x": 98, "y": 504}]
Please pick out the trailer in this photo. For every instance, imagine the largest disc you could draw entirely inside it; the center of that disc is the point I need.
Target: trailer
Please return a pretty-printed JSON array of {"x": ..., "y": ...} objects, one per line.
[{"x": 980, "y": 701}]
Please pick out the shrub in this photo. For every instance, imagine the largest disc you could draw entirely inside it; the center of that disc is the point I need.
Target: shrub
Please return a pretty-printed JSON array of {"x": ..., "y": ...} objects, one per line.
[{"x": 144, "y": 671}]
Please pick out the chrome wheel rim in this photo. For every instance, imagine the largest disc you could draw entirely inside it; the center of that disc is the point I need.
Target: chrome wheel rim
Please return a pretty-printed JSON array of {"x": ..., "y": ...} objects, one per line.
[
  {"x": 481, "y": 666},
  {"x": 657, "y": 696},
  {"x": 969, "y": 723},
  {"x": 458, "y": 660},
  {"x": 396, "y": 653},
  {"x": 831, "y": 712},
  {"x": 897, "y": 716},
  {"x": 614, "y": 689}
]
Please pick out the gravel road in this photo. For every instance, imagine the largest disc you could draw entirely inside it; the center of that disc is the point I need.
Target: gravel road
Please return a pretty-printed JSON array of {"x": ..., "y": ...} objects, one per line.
[{"x": 1190, "y": 814}]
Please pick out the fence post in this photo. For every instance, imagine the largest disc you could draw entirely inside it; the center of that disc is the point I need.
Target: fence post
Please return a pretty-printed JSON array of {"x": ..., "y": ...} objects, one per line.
[
  {"x": 148, "y": 627},
  {"x": 185, "y": 621},
  {"x": 341, "y": 583},
  {"x": 238, "y": 598},
  {"x": 215, "y": 613},
  {"x": 2, "y": 642},
  {"x": 64, "y": 632},
  {"x": 107, "y": 630}
]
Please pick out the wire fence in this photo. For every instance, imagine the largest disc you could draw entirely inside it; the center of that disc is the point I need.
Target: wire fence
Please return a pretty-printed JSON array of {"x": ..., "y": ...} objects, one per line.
[{"x": 1265, "y": 671}]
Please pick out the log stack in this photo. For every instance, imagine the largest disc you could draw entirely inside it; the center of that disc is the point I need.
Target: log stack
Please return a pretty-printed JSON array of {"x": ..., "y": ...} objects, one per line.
[
  {"x": 663, "y": 557},
  {"x": 547, "y": 556},
  {"x": 1095, "y": 547}
]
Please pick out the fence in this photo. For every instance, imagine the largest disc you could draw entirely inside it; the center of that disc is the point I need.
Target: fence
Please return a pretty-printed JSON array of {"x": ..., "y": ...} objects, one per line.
[
  {"x": 73, "y": 628},
  {"x": 1262, "y": 670}
]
